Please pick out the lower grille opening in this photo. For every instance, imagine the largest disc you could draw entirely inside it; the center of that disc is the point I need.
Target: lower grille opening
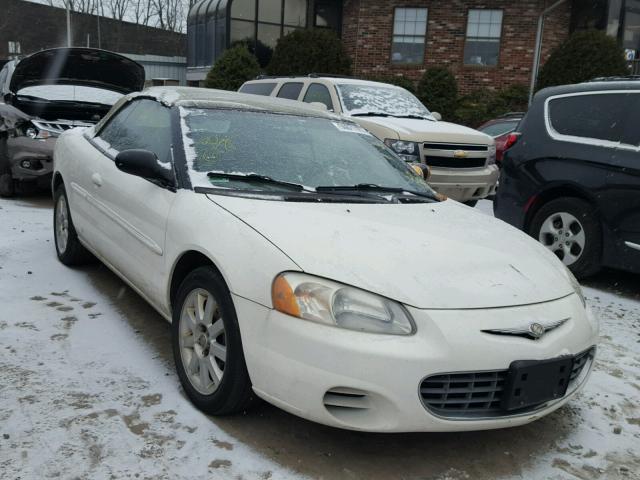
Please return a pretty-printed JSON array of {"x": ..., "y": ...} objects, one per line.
[
  {"x": 452, "y": 162},
  {"x": 479, "y": 394},
  {"x": 341, "y": 398}
]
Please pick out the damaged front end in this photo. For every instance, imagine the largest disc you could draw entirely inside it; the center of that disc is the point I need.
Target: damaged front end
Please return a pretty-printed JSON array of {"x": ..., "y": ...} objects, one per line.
[{"x": 49, "y": 93}]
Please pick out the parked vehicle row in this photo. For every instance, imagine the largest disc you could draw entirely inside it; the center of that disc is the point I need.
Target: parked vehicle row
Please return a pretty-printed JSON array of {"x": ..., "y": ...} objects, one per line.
[
  {"x": 462, "y": 160},
  {"x": 323, "y": 274},
  {"x": 50, "y": 92}
]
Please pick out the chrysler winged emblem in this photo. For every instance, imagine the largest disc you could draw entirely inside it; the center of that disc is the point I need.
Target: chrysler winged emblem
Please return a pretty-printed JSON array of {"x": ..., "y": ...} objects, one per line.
[{"x": 536, "y": 330}]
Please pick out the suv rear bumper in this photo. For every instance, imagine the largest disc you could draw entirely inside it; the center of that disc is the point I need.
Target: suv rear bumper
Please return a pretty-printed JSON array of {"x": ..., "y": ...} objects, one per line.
[{"x": 465, "y": 185}]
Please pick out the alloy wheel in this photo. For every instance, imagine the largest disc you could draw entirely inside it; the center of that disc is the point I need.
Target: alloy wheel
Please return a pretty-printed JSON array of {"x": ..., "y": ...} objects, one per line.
[
  {"x": 563, "y": 234},
  {"x": 202, "y": 341},
  {"x": 62, "y": 225}
]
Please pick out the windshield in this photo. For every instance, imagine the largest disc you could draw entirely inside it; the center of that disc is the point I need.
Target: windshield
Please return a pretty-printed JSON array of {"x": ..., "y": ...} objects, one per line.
[
  {"x": 71, "y": 93},
  {"x": 366, "y": 99},
  {"x": 307, "y": 151}
]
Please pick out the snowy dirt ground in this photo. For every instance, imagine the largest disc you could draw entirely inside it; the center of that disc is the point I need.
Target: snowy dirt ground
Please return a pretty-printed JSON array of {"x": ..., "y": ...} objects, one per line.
[{"x": 88, "y": 390}]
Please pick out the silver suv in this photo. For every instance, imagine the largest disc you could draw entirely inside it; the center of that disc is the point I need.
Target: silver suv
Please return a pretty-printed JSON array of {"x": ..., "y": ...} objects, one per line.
[{"x": 462, "y": 160}]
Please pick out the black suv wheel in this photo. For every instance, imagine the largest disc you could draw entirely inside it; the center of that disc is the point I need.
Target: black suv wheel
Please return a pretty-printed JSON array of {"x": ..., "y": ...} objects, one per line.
[{"x": 568, "y": 227}]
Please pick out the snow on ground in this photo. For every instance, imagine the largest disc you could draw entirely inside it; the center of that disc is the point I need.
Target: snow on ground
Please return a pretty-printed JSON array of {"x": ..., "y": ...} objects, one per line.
[
  {"x": 607, "y": 440},
  {"x": 80, "y": 394},
  {"x": 88, "y": 390}
]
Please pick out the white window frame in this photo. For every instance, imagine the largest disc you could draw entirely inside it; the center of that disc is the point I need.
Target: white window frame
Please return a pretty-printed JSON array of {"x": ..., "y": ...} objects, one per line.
[
  {"x": 411, "y": 35},
  {"x": 479, "y": 37}
]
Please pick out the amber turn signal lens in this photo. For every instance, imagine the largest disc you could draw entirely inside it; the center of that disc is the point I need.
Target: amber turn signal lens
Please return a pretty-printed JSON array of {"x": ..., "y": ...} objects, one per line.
[{"x": 283, "y": 298}]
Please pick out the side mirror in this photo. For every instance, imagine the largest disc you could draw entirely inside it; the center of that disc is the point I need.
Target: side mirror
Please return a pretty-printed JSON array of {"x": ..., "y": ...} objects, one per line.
[
  {"x": 143, "y": 163},
  {"x": 422, "y": 169},
  {"x": 437, "y": 116},
  {"x": 319, "y": 106}
]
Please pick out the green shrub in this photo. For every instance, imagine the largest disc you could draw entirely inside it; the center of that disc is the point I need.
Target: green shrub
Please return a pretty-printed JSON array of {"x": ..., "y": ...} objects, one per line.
[
  {"x": 585, "y": 55},
  {"x": 398, "y": 80},
  {"x": 483, "y": 104},
  {"x": 475, "y": 108},
  {"x": 262, "y": 51},
  {"x": 233, "y": 68},
  {"x": 309, "y": 51},
  {"x": 438, "y": 90},
  {"x": 514, "y": 98}
]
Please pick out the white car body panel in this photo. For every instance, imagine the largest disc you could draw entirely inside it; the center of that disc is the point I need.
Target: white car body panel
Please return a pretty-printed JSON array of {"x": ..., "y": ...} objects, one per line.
[
  {"x": 456, "y": 271},
  {"x": 415, "y": 130},
  {"x": 464, "y": 270}
]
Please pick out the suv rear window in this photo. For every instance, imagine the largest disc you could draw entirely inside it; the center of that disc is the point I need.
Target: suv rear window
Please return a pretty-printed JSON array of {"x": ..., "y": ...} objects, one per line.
[
  {"x": 599, "y": 116},
  {"x": 263, "y": 88}
]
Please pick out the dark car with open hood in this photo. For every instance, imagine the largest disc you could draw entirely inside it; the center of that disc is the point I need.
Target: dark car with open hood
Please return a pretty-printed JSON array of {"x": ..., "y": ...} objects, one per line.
[{"x": 51, "y": 91}]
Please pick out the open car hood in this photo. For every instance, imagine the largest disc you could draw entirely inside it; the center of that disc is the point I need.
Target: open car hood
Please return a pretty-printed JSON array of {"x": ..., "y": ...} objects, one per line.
[{"x": 78, "y": 66}]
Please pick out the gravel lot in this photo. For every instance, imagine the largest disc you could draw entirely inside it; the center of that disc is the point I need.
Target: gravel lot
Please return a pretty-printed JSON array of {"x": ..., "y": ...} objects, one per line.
[{"x": 88, "y": 390}]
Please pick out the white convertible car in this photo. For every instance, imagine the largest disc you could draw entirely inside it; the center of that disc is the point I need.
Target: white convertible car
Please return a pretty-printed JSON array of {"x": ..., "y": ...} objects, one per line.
[{"x": 301, "y": 261}]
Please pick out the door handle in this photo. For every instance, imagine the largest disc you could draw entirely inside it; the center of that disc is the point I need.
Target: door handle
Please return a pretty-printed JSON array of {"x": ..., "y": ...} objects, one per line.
[{"x": 96, "y": 179}]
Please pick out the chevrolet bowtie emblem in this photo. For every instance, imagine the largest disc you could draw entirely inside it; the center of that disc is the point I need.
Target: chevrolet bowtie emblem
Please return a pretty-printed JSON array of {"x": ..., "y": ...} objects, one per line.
[{"x": 460, "y": 154}]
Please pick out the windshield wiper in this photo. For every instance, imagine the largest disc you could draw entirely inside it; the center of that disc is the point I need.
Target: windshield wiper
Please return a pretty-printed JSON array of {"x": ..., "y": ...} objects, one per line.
[
  {"x": 255, "y": 178},
  {"x": 370, "y": 114},
  {"x": 372, "y": 187},
  {"x": 416, "y": 117}
]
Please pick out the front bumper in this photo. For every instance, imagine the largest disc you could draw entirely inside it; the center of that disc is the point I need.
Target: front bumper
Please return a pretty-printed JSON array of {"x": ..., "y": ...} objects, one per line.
[
  {"x": 370, "y": 382},
  {"x": 38, "y": 153},
  {"x": 465, "y": 184}
]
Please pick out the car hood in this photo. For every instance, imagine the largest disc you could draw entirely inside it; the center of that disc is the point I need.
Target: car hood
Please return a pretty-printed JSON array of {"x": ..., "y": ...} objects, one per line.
[
  {"x": 78, "y": 66},
  {"x": 416, "y": 130},
  {"x": 438, "y": 256}
]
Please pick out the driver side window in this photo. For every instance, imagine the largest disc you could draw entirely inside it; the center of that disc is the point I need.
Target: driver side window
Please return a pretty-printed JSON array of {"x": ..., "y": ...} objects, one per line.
[{"x": 143, "y": 124}]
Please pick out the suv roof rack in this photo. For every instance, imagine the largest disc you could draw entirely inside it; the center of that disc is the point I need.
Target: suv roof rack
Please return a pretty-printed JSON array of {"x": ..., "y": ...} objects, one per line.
[
  {"x": 310, "y": 75},
  {"x": 621, "y": 78}
]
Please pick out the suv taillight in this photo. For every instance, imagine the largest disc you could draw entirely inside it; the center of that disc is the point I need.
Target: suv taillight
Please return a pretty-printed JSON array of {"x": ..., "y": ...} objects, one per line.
[{"x": 511, "y": 140}]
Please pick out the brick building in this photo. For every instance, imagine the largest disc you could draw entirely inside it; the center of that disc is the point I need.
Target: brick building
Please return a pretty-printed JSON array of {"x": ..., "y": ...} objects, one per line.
[{"x": 486, "y": 43}]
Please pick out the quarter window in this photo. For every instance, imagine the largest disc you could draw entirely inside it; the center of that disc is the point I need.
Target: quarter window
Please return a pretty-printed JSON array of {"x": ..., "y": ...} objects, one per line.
[
  {"x": 264, "y": 88},
  {"x": 290, "y": 91},
  {"x": 599, "y": 117},
  {"x": 482, "y": 46},
  {"x": 143, "y": 124},
  {"x": 318, "y": 93},
  {"x": 409, "y": 31}
]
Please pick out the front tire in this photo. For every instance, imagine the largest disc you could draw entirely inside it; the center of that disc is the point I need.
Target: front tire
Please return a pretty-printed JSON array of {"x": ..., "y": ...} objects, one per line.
[
  {"x": 7, "y": 187},
  {"x": 207, "y": 347},
  {"x": 568, "y": 227},
  {"x": 68, "y": 247}
]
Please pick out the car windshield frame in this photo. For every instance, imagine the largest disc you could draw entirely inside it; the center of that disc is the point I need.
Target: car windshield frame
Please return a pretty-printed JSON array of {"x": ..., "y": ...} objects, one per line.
[
  {"x": 403, "y": 111},
  {"x": 200, "y": 178}
]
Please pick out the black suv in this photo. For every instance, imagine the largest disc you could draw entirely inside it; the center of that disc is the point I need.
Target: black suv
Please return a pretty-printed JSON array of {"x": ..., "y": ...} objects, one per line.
[{"x": 571, "y": 177}]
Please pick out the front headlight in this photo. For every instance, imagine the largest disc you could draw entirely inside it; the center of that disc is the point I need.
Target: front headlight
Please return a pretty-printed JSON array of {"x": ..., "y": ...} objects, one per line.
[
  {"x": 491, "y": 157},
  {"x": 408, "y": 151},
  {"x": 331, "y": 303},
  {"x": 576, "y": 286}
]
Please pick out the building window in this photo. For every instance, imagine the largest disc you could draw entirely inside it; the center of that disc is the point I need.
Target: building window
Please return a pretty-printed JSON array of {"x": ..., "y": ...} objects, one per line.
[
  {"x": 409, "y": 32},
  {"x": 274, "y": 18},
  {"x": 327, "y": 15},
  {"x": 484, "y": 28}
]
